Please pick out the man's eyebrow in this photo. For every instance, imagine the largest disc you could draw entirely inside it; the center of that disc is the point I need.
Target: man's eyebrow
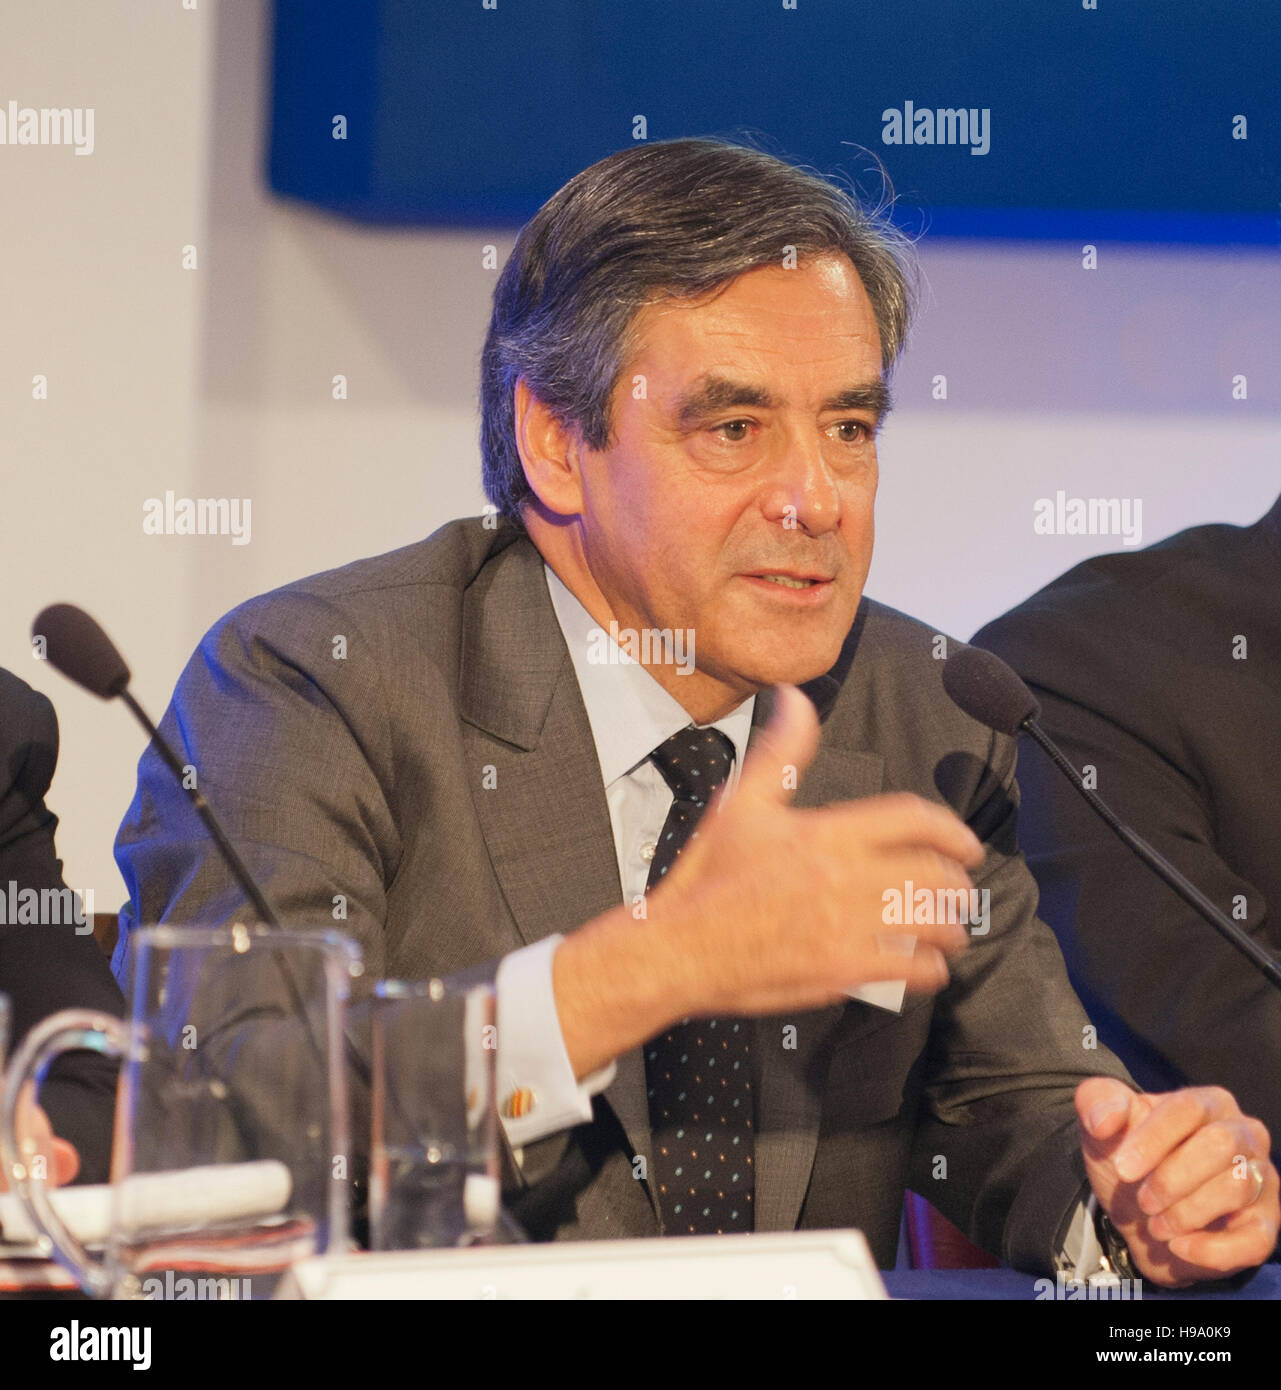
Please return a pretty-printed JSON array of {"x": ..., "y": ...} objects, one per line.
[
  {"x": 713, "y": 394},
  {"x": 873, "y": 396}
]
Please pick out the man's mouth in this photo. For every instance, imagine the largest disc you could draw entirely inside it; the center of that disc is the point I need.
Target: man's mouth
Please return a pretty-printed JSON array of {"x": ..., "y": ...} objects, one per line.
[
  {"x": 788, "y": 582},
  {"x": 792, "y": 581}
]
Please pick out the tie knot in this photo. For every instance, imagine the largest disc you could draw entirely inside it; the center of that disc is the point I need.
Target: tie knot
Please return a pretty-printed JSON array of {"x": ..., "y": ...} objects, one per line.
[{"x": 694, "y": 762}]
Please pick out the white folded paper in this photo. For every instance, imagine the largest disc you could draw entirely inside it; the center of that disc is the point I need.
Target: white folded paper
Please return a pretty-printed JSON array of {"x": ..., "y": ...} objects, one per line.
[
  {"x": 887, "y": 994},
  {"x": 182, "y": 1200}
]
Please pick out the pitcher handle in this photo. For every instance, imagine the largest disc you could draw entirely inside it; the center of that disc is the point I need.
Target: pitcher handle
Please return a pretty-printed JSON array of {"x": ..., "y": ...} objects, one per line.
[{"x": 66, "y": 1031}]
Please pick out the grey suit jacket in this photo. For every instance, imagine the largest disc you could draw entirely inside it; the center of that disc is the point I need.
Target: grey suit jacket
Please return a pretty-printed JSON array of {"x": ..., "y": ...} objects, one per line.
[{"x": 345, "y": 727}]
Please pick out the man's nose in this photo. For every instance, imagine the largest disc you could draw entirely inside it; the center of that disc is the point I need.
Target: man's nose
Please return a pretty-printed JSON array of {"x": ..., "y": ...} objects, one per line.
[{"x": 801, "y": 492}]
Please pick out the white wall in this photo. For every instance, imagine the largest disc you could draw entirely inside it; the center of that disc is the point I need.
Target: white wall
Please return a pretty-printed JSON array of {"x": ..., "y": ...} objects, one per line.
[
  {"x": 217, "y": 382},
  {"x": 1112, "y": 382},
  {"x": 94, "y": 298}
]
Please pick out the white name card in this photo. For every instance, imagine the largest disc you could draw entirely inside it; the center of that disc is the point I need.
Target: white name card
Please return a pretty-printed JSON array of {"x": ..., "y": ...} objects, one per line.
[{"x": 786, "y": 1265}]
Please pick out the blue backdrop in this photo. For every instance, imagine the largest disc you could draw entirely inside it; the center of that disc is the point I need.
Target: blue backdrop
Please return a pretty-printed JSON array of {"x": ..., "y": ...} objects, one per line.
[{"x": 1113, "y": 122}]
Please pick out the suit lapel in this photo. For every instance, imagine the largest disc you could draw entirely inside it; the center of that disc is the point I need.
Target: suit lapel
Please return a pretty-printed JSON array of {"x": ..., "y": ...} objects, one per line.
[{"x": 545, "y": 818}]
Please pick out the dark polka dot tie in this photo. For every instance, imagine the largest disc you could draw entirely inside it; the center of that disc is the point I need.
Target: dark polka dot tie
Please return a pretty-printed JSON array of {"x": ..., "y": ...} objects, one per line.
[{"x": 699, "y": 1072}]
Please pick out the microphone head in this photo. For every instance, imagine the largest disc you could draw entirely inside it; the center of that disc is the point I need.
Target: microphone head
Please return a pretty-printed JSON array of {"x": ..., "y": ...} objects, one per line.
[
  {"x": 988, "y": 690},
  {"x": 79, "y": 648}
]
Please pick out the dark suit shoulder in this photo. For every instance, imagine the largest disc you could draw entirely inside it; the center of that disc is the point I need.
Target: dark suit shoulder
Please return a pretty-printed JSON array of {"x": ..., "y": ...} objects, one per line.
[
  {"x": 1145, "y": 635},
  {"x": 28, "y": 756},
  {"x": 899, "y": 635},
  {"x": 27, "y": 724},
  {"x": 1120, "y": 587},
  {"x": 891, "y": 686},
  {"x": 450, "y": 557},
  {"x": 407, "y": 600},
  {"x": 885, "y": 698}
]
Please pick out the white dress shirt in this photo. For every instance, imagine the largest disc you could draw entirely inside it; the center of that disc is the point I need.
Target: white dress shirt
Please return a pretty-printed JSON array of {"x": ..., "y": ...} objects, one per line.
[{"x": 630, "y": 715}]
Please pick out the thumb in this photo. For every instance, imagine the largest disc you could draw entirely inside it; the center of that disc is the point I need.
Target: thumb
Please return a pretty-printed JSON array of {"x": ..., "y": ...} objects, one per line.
[
  {"x": 783, "y": 750},
  {"x": 1103, "y": 1108}
]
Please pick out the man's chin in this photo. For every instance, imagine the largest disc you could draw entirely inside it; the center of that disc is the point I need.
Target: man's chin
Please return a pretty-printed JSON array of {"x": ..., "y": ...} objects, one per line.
[
  {"x": 762, "y": 669},
  {"x": 786, "y": 653}
]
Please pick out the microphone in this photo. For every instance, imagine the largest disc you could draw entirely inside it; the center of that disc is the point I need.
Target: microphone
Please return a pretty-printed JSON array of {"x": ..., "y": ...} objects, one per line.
[
  {"x": 82, "y": 651},
  {"x": 986, "y": 689}
]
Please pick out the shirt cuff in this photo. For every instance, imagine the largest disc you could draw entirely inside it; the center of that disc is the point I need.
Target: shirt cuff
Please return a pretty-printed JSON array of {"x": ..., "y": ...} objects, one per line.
[
  {"x": 538, "y": 1093},
  {"x": 1081, "y": 1255}
]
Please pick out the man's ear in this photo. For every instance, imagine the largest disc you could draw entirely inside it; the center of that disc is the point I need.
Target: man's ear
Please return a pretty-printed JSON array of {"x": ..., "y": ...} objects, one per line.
[{"x": 550, "y": 452}]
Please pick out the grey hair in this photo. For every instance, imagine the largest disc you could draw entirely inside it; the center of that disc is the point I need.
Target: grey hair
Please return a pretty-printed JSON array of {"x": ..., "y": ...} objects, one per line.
[{"x": 673, "y": 218}]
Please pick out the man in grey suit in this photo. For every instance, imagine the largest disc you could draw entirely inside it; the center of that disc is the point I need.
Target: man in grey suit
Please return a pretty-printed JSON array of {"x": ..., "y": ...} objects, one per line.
[{"x": 478, "y": 754}]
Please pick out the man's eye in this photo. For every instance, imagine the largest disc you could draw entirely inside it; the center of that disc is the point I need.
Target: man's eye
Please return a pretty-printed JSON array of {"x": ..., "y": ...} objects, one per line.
[
  {"x": 734, "y": 430},
  {"x": 852, "y": 431}
]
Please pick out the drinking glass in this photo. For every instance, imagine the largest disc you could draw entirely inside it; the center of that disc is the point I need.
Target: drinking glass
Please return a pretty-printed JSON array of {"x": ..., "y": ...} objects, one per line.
[{"x": 434, "y": 1175}]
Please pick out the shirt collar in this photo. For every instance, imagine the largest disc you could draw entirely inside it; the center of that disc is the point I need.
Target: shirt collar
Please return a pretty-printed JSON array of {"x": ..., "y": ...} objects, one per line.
[{"x": 629, "y": 712}]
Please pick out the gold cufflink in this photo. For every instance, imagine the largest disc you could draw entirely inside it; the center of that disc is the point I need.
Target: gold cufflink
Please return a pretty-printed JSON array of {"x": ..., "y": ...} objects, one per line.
[{"x": 519, "y": 1104}]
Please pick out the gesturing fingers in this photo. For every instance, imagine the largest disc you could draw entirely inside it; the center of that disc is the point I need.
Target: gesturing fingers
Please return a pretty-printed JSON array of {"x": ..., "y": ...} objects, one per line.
[
  {"x": 1173, "y": 1119},
  {"x": 1213, "y": 1174},
  {"x": 1196, "y": 1180},
  {"x": 1245, "y": 1238}
]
